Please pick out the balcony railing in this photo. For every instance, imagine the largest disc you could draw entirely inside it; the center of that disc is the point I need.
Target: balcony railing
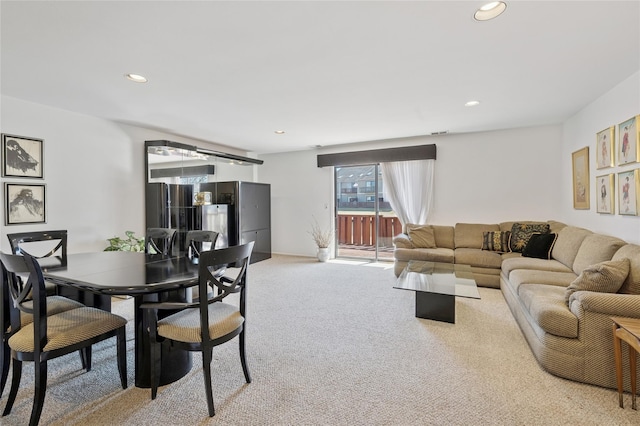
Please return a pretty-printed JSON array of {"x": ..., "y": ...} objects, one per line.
[{"x": 360, "y": 230}]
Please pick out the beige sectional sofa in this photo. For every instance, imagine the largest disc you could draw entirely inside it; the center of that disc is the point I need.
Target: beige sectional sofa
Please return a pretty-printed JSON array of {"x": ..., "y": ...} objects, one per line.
[{"x": 570, "y": 335}]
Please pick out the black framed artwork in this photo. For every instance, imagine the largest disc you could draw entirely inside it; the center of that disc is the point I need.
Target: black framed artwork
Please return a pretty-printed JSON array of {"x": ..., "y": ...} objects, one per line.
[
  {"x": 24, "y": 203},
  {"x": 22, "y": 157}
]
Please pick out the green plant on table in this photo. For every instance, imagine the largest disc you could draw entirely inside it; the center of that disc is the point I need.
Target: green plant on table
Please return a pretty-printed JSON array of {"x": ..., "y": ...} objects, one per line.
[{"x": 130, "y": 243}]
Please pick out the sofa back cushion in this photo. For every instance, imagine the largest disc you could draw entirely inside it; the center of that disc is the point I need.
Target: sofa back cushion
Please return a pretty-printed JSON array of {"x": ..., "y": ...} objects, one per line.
[
  {"x": 469, "y": 235},
  {"x": 421, "y": 236},
  {"x": 567, "y": 244},
  {"x": 595, "y": 248},
  {"x": 444, "y": 236},
  {"x": 632, "y": 252}
]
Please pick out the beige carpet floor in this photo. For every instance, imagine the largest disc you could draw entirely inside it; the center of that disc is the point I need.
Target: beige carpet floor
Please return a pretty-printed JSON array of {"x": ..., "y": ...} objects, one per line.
[{"x": 335, "y": 344}]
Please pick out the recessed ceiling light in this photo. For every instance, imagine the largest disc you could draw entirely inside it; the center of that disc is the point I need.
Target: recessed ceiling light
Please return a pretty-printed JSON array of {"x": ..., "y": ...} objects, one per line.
[
  {"x": 472, "y": 103},
  {"x": 490, "y": 11},
  {"x": 136, "y": 78},
  {"x": 279, "y": 132}
]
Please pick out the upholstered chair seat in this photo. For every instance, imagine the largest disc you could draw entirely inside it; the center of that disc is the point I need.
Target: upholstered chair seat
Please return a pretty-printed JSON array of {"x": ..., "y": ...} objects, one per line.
[
  {"x": 185, "y": 325},
  {"x": 68, "y": 328}
]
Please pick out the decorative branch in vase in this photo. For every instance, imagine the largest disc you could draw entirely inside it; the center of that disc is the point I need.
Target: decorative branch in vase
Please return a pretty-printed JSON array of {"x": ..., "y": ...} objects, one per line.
[{"x": 322, "y": 237}]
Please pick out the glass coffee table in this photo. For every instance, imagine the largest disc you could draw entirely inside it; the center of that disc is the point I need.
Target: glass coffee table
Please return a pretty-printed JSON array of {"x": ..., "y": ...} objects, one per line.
[{"x": 436, "y": 286}]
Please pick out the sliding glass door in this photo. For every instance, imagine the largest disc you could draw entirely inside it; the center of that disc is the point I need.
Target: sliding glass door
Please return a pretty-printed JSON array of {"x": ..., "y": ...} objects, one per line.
[{"x": 365, "y": 223}]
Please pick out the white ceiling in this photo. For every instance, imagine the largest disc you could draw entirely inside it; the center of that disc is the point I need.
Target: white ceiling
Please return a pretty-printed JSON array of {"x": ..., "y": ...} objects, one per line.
[{"x": 326, "y": 72}]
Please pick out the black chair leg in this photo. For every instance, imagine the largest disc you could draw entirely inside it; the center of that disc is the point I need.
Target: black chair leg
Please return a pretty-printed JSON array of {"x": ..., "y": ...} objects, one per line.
[
  {"x": 15, "y": 384},
  {"x": 40, "y": 391},
  {"x": 85, "y": 356},
  {"x": 5, "y": 356},
  {"x": 121, "y": 345},
  {"x": 207, "y": 355},
  {"x": 243, "y": 359},
  {"x": 154, "y": 368}
]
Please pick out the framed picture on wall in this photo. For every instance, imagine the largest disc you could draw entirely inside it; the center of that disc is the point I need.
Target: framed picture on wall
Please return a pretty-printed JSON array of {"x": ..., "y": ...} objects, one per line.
[
  {"x": 580, "y": 163},
  {"x": 628, "y": 183},
  {"x": 24, "y": 203},
  {"x": 604, "y": 148},
  {"x": 628, "y": 140},
  {"x": 22, "y": 156},
  {"x": 605, "y": 185}
]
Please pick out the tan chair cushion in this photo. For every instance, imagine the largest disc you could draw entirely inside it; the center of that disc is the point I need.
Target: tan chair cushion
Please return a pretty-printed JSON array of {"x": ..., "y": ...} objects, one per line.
[
  {"x": 68, "y": 328},
  {"x": 55, "y": 305},
  {"x": 604, "y": 277},
  {"x": 184, "y": 326}
]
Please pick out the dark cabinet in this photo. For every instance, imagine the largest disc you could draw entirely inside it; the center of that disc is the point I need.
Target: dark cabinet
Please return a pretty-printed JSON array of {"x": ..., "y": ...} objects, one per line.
[{"x": 249, "y": 213}]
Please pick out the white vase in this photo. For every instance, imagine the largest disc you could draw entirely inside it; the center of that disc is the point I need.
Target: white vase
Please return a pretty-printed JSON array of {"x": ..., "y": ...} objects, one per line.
[{"x": 323, "y": 254}]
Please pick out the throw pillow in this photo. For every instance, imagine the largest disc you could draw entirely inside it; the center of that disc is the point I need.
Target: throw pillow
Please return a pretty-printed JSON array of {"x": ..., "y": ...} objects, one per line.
[
  {"x": 603, "y": 277},
  {"x": 421, "y": 236},
  {"x": 496, "y": 241},
  {"x": 521, "y": 232},
  {"x": 540, "y": 246}
]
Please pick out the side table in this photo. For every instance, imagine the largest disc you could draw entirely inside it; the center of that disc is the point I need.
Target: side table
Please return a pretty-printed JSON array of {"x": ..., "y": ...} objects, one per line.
[{"x": 627, "y": 329}]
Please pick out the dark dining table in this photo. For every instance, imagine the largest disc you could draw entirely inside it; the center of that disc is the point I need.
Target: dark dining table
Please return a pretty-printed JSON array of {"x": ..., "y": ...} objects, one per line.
[{"x": 146, "y": 278}]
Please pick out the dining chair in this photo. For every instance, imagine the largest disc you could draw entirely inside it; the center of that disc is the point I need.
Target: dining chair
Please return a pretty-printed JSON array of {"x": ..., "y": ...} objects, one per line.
[
  {"x": 199, "y": 326},
  {"x": 51, "y": 249},
  {"x": 50, "y": 336},
  {"x": 159, "y": 240},
  {"x": 197, "y": 241}
]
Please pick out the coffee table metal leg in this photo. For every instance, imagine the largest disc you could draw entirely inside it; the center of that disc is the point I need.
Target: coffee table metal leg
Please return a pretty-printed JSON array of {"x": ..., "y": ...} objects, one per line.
[{"x": 433, "y": 306}]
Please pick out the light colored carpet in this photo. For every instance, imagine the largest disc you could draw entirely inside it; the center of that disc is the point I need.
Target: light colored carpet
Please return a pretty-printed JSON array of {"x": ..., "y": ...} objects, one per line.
[{"x": 335, "y": 344}]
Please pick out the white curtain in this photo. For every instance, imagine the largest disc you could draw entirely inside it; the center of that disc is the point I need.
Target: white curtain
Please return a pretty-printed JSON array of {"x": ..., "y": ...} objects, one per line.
[{"x": 408, "y": 186}]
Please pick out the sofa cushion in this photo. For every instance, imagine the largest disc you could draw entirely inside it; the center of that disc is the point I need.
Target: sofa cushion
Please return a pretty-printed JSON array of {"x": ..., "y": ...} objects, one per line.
[
  {"x": 513, "y": 263},
  {"x": 433, "y": 254},
  {"x": 540, "y": 246},
  {"x": 496, "y": 241},
  {"x": 477, "y": 257},
  {"x": 444, "y": 236},
  {"x": 521, "y": 233},
  {"x": 632, "y": 252},
  {"x": 469, "y": 235},
  {"x": 568, "y": 243},
  {"x": 421, "y": 235},
  {"x": 595, "y": 248},
  {"x": 519, "y": 277},
  {"x": 604, "y": 277},
  {"x": 545, "y": 304}
]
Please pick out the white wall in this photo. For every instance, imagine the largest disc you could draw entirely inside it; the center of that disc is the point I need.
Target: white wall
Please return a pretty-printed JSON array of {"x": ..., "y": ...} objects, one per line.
[
  {"x": 619, "y": 104},
  {"x": 480, "y": 177},
  {"x": 93, "y": 169}
]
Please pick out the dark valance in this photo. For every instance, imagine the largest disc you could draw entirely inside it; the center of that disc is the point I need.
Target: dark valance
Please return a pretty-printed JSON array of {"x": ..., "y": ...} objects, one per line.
[{"x": 375, "y": 156}]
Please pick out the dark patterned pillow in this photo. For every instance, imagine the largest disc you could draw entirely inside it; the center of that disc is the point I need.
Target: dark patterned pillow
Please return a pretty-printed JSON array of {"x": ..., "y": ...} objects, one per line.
[
  {"x": 540, "y": 246},
  {"x": 521, "y": 232},
  {"x": 496, "y": 240}
]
